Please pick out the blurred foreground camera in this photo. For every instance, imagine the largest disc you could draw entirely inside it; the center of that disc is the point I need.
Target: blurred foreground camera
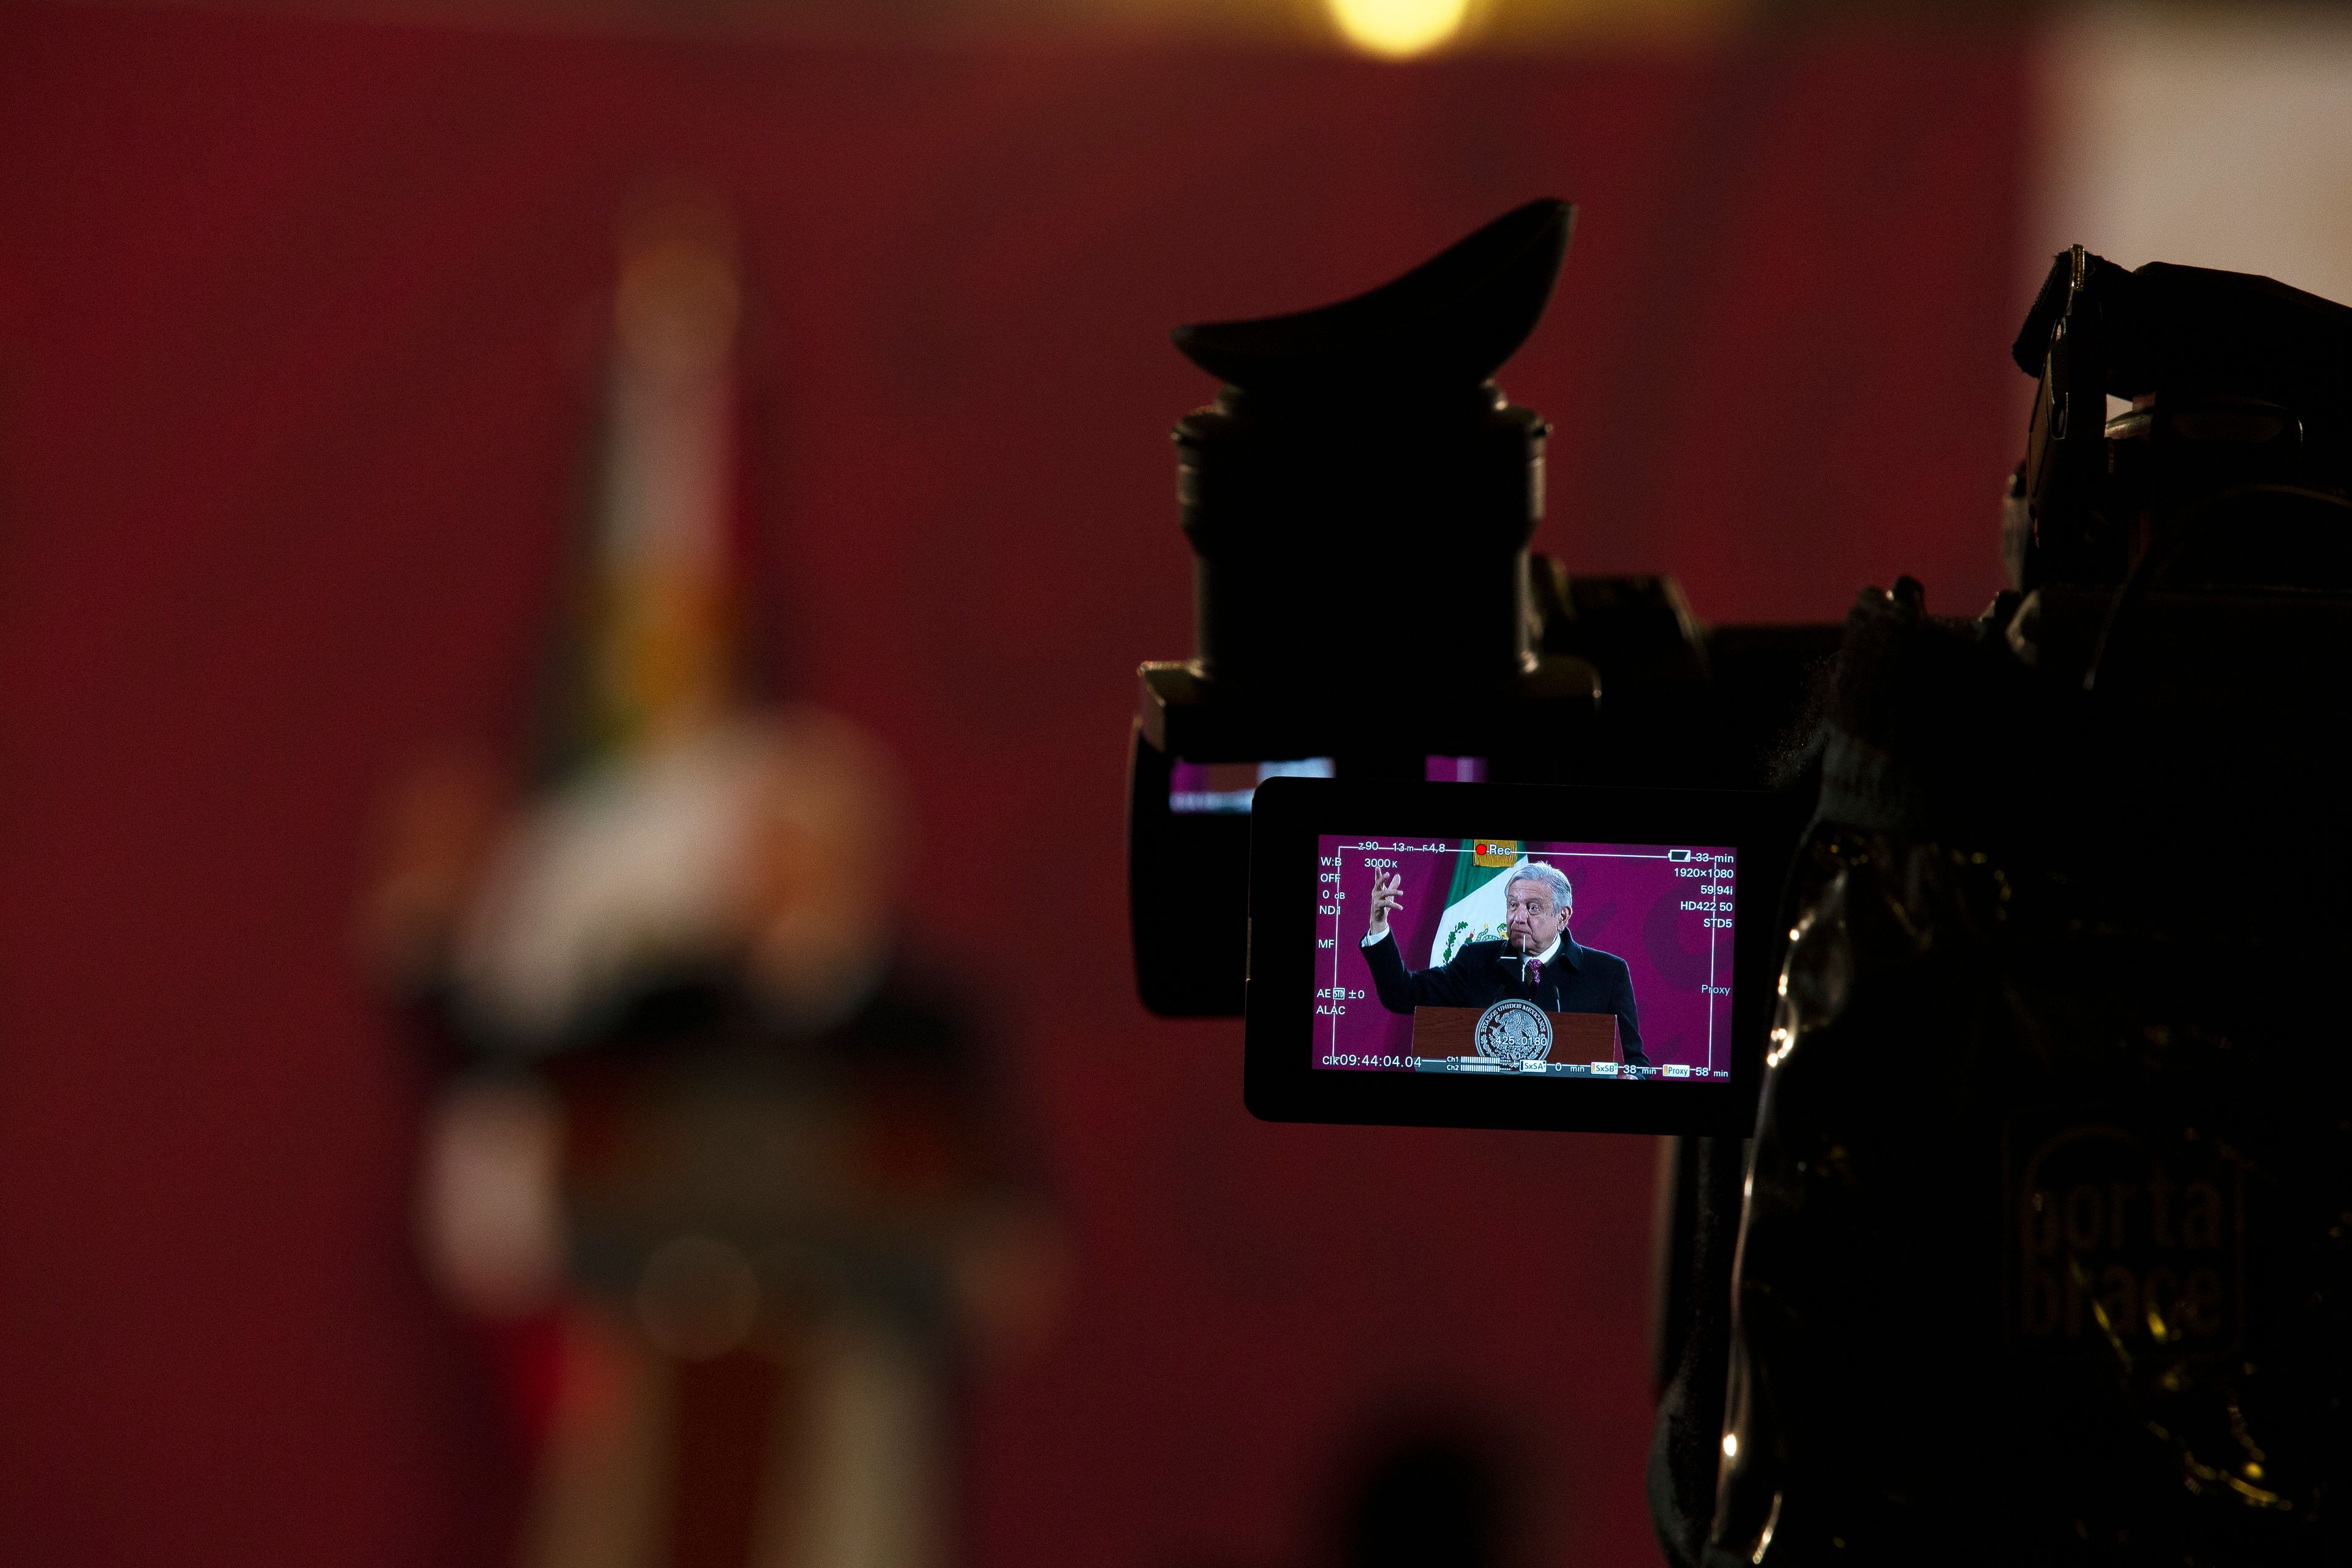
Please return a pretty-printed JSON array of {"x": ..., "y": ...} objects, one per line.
[{"x": 2047, "y": 1245}]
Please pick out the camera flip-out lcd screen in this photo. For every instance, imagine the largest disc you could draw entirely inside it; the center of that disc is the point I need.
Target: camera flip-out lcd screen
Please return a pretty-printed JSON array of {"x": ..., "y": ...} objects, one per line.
[
  {"x": 1589, "y": 959},
  {"x": 1538, "y": 960}
]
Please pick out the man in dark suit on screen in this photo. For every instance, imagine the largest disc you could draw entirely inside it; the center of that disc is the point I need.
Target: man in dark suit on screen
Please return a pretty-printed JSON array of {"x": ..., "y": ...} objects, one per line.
[{"x": 1536, "y": 961}]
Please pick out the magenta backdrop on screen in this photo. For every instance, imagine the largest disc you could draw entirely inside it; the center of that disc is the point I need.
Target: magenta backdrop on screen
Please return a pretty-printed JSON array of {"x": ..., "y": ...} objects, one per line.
[{"x": 1633, "y": 907}]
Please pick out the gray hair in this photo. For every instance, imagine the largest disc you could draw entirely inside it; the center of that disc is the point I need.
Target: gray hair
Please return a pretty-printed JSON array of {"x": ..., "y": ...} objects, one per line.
[{"x": 1563, "y": 895}]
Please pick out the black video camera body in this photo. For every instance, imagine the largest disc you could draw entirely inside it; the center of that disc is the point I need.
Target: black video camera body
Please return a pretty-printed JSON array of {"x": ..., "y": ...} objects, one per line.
[{"x": 2039, "y": 1249}]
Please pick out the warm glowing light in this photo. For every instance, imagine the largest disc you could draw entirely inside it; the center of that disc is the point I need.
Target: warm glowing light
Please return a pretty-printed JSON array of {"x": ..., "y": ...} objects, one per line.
[
  {"x": 1398, "y": 28},
  {"x": 1730, "y": 1445}
]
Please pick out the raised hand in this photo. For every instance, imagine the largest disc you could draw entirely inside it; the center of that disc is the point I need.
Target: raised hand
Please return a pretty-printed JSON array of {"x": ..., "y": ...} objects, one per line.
[{"x": 1387, "y": 893}]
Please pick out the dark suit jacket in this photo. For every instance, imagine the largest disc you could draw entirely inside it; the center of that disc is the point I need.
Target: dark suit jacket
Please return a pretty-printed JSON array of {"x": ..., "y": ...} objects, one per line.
[{"x": 1577, "y": 980}]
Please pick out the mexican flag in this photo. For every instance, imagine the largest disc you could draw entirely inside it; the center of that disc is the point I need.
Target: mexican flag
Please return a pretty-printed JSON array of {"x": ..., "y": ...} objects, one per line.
[{"x": 1474, "y": 909}]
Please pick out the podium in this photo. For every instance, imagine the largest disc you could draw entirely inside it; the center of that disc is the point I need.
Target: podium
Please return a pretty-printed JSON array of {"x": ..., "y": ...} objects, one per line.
[{"x": 1578, "y": 1039}]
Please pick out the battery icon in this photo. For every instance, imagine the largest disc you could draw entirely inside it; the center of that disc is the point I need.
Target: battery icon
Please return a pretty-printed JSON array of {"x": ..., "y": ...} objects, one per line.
[{"x": 1678, "y": 856}]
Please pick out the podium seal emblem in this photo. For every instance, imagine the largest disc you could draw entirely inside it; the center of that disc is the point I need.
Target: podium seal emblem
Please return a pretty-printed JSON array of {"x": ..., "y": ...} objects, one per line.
[{"x": 1513, "y": 1032}]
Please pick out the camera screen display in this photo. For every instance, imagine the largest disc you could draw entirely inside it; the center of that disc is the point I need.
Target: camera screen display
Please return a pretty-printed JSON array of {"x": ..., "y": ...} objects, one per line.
[{"x": 1536, "y": 960}]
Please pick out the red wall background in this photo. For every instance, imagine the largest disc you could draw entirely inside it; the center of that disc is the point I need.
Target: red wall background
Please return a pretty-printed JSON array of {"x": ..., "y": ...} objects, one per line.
[{"x": 290, "y": 406}]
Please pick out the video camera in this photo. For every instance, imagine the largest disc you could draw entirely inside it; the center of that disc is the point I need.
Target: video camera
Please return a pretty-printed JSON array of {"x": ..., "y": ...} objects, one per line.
[
  {"x": 1367, "y": 449},
  {"x": 2039, "y": 1245}
]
